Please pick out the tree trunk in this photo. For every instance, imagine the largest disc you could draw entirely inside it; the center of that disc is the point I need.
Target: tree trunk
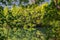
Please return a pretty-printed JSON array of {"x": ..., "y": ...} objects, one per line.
[{"x": 56, "y": 3}]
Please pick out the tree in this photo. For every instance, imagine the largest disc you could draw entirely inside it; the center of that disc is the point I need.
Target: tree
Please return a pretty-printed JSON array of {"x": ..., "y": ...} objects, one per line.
[
  {"x": 10, "y": 2},
  {"x": 57, "y": 3}
]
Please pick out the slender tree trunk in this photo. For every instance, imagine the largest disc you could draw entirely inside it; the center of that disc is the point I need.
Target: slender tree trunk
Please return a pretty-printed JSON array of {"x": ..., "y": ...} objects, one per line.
[{"x": 56, "y": 3}]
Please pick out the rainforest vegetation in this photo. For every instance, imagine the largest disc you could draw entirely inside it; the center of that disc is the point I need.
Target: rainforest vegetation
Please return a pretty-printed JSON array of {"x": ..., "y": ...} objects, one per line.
[{"x": 38, "y": 20}]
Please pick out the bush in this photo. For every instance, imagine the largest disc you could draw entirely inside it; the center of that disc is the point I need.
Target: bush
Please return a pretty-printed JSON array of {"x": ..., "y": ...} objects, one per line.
[
  {"x": 23, "y": 17},
  {"x": 28, "y": 18}
]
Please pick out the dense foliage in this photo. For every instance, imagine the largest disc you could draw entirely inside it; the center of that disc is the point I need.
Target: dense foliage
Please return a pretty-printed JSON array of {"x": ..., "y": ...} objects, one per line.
[
  {"x": 30, "y": 22},
  {"x": 23, "y": 17}
]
